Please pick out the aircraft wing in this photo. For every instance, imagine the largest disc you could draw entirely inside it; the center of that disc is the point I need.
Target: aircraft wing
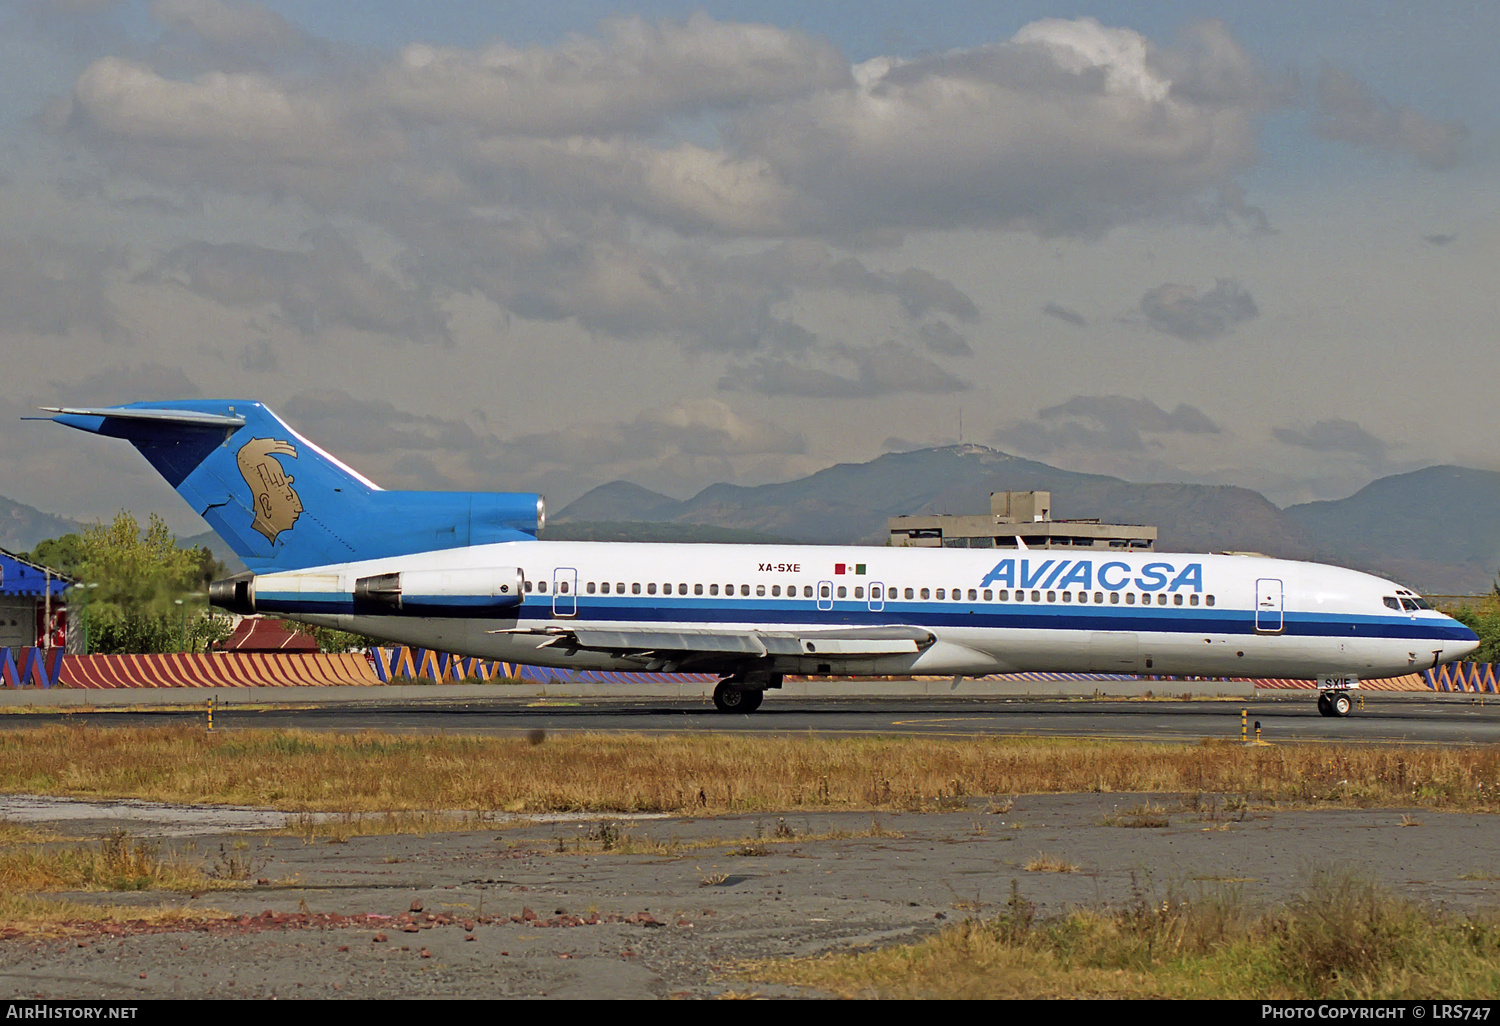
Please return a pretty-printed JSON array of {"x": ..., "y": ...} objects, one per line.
[{"x": 689, "y": 645}]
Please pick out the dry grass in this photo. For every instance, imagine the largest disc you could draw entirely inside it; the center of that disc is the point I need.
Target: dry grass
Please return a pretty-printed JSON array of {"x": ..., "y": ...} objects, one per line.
[
  {"x": 116, "y": 863},
  {"x": 1044, "y": 863},
  {"x": 1341, "y": 938},
  {"x": 306, "y": 771},
  {"x": 57, "y": 917},
  {"x": 617, "y": 839},
  {"x": 1145, "y": 815}
]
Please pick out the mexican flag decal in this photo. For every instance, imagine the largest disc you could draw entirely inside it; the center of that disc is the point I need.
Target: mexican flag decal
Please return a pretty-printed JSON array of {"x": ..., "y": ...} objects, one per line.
[{"x": 844, "y": 568}]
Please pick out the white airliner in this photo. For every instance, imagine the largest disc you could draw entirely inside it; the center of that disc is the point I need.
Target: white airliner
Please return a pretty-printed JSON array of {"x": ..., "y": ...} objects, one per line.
[{"x": 465, "y": 573}]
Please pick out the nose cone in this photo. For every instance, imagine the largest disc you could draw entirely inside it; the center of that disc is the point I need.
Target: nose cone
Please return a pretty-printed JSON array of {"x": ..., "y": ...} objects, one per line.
[{"x": 1458, "y": 640}]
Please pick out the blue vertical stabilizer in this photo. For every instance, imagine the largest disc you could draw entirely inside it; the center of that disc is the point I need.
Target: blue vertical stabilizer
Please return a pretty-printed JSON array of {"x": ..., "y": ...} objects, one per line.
[{"x": 281, "y": 503}]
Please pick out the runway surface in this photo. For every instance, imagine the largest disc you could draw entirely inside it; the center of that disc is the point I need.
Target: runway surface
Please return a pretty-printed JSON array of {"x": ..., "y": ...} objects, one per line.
[{"x": 1283, "y": 717}]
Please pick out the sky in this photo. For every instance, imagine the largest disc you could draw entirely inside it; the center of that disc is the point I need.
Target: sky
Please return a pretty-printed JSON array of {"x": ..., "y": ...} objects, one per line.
[{"x": 505, "y": 246}]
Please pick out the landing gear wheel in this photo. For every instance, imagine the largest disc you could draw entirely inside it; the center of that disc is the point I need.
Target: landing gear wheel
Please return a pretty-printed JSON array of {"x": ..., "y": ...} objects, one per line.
[
  {"x": 1325, "y": 704},
  {"x": 733, "y": 698},
  {"x": 1342, "y": 706}
]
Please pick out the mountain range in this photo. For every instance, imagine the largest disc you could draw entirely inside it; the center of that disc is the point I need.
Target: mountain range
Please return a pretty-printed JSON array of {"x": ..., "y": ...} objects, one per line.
[{"x": 1433, "y": 529}]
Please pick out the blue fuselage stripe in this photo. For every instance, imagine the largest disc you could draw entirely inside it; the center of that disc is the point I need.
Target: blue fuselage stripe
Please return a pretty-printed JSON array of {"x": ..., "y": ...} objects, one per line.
[{"x": 994, "y": 616}]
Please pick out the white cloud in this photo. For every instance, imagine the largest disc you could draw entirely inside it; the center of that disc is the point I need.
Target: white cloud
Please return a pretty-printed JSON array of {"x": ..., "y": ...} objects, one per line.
[
  {"x": 638, "y": 74},
  {"x": 1350, "y": 112}
]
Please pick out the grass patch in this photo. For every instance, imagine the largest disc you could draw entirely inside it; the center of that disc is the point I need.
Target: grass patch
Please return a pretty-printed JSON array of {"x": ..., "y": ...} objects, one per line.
[
  {"x": 57, "y": 917},
  {"x": 615, "y": 838},
  {"x": 1146, "y": 814},
  {"x": 709, "y": 773},
  {"x": 1044, "y": 863},
  {"x": 116, "y": 863},
  {"x": 1341, "y": 938}
]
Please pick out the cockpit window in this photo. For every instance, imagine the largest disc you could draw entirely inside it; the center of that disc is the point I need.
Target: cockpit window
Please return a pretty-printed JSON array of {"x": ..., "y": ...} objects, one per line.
[
  {"x": 1391, "y": 603},
  {"x": 1409, "y": 605}
]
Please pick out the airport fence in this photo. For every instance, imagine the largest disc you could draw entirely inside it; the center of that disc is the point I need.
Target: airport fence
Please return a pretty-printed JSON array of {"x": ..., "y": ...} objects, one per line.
[{"x": 46, "y": 668}]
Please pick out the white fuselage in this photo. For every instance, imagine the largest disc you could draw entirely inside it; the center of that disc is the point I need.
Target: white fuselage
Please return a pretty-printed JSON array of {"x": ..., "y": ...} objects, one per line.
[{"x": 989, "y": 611}]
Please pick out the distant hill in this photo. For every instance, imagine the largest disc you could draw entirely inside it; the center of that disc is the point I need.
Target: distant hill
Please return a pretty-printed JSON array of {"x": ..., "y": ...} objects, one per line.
[
  {"x": 1438, "y": 525},
  {"x": 1433, "y": 529},
  {"x": 637, "y": 531},
  {"x": 851, "y": 501},
  {"x": 22, "y": 527}
]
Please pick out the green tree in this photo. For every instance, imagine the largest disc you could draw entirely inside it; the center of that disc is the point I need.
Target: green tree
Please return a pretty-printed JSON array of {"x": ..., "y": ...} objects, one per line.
[
  {"x": 141, "y": 576},
  {"x": 64, "y": 554}
]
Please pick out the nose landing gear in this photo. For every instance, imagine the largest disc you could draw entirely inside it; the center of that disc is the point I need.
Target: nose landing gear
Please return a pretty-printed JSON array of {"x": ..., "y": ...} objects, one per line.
[{"x": 1335, "y": 703}]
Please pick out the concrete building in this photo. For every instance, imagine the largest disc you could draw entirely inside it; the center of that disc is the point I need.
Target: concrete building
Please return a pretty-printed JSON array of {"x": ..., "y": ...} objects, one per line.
[{"x": 1024, "y": 515}]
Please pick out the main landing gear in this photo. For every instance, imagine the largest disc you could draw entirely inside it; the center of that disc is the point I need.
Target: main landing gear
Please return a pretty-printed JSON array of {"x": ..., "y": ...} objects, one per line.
[{"x": 737, "y": 694}]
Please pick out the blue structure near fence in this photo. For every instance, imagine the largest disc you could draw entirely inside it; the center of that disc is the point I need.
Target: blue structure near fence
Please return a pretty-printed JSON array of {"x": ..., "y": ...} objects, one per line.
[
  {"x": 1470, "y": 677},
  {"x": 41, "y": 667}
]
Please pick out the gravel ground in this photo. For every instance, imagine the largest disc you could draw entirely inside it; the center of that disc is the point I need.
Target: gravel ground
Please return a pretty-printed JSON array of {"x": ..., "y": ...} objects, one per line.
[{"x": 536, "y": 909}]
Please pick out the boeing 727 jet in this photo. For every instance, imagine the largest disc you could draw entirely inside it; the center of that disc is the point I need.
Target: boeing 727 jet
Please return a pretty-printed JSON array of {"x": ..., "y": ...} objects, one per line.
[{"x": 465, "y": 572}]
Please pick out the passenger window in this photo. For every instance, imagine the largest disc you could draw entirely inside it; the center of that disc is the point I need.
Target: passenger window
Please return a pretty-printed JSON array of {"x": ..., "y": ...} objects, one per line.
[
  {"x": 1036, "y": 596},
  {"x": 775, "y": 591},
  {"x": 940, "y": 593},
  {"x": 1067, "y": 596},
  {"x": 807, "y": 591},
  {"x": 620, "y": 588},
  {"x": 1098, "y": 597},
  {"x": 925, "y": 594},
  {"x": 745, "y": 590},
  {"x": 824, "y": 591},
  {"x": 1083, "y": 596},
  {"x": 1114, "y": 598},
  {"x": 697, "y": 589},
  {"x": 1208, "y": 600},
  {"x": 1193, "y": 599},
  {"x": 635, "y": 588},
  {"x": 910, "y": 594},
  {"x": 860, "y": 593},
  {"x": 713, "y": 589},
  {"x": 760, "y": 590},
  {"x": 1130, "y": 598},
  {"x": 682, "y": 589},
  {"x": 843, "y": 591},
  {"x": 528, "y": 586},
  {"x": 1161, "y": 600},
  {"x": 591, "y": 587},
  {"x": 651, "y": 588},
  {"x": 1176, "y": 600},
  {"x": 974, "y": 595},
  {"x": 563, "y": 587},
  {"x": 1051, "y": 596}
]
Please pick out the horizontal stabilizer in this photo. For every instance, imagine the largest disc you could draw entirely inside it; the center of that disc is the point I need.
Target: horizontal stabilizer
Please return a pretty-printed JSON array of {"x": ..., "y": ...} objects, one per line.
[{"x": 281, "y": 502}]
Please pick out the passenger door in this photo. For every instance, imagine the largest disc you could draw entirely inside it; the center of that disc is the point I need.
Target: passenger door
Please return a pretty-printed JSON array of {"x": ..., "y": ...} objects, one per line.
[
  {"x": 565, "y": 591},
  {"x": 1269, "y": 617}
]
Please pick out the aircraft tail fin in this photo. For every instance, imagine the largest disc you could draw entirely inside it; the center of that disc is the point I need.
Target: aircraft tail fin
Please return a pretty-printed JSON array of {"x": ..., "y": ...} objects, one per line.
[{"x": 282, "y": 503}]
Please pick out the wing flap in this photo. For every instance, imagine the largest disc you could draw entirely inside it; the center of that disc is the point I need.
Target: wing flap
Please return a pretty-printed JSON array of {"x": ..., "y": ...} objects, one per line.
[{"x": 848, "y": 643}]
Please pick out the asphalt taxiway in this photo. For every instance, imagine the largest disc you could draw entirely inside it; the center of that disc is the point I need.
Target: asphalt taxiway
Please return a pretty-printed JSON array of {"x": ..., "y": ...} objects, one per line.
[{"x": 1187, "y": 711}]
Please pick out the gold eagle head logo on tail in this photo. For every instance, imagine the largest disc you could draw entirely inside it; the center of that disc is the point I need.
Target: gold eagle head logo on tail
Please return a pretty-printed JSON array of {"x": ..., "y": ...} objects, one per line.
[{"x": 277, "y": 504}]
